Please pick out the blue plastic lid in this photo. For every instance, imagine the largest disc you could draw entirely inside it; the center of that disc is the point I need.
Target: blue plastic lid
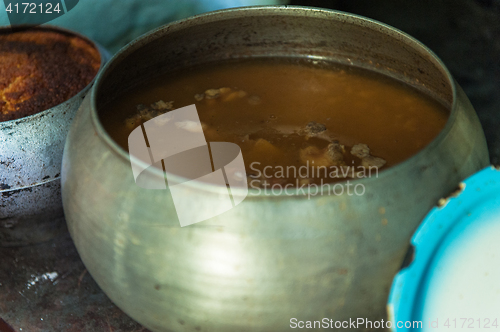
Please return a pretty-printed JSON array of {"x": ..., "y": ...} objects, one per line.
[{"x": 453, "y": 283}]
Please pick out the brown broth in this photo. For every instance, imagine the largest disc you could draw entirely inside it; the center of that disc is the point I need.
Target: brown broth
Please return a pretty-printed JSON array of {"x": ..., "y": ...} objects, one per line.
[{"x": 283, "y": 95}]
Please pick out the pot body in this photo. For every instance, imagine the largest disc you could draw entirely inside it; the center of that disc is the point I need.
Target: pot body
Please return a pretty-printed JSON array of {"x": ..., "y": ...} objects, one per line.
[
  {"x": 271, "y": 258},
  {"x": 30, "y": 170}
]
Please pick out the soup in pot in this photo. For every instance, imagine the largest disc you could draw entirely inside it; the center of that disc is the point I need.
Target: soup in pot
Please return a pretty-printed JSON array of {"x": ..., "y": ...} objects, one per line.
[{"x": 331, "y": 121}]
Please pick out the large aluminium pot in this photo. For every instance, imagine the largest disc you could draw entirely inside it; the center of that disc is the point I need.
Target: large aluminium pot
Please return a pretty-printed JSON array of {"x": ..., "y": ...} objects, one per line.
[
  {"x": 31, "y": 151},
  {"x": 271, "y": 258}
]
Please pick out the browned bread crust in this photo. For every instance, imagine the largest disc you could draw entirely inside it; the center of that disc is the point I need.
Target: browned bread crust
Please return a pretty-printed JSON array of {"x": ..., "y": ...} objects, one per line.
[{"x": 41, "y": 68}]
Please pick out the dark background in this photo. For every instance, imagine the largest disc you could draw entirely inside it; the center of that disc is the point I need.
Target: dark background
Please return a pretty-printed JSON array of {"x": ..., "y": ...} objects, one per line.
[{"x": 465, "y": 34}]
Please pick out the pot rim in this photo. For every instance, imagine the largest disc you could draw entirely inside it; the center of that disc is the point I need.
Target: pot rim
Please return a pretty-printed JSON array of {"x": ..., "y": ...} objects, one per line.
[
  {"x": 285, "y": 10},
  {"x": 48, "y": 27}
]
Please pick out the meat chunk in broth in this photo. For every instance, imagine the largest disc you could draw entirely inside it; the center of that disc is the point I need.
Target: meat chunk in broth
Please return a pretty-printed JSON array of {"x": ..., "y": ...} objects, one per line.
[{"x": 362, "y": 151}]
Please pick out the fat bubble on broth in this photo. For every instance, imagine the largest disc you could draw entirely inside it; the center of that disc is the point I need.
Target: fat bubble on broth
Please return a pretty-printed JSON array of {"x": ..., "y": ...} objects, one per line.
[{"x": 286, "y": 114}]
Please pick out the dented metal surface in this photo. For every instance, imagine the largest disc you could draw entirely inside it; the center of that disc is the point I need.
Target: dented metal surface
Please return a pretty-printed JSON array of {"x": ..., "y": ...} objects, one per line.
[
  {"x": 272, "y": 257},
  {"x": 30, "y": 170}
]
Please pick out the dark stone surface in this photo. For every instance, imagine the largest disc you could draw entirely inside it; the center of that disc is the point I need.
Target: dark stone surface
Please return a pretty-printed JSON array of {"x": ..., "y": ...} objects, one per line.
[
  {"x": 46, "y": 288},
  {"x": 465, "y": 34}
]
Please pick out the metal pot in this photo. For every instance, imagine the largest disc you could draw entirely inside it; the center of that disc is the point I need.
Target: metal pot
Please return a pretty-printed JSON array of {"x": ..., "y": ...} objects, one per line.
[
  {"x": 271, "y": 258},
  {"x": 30, "y": 166}
]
